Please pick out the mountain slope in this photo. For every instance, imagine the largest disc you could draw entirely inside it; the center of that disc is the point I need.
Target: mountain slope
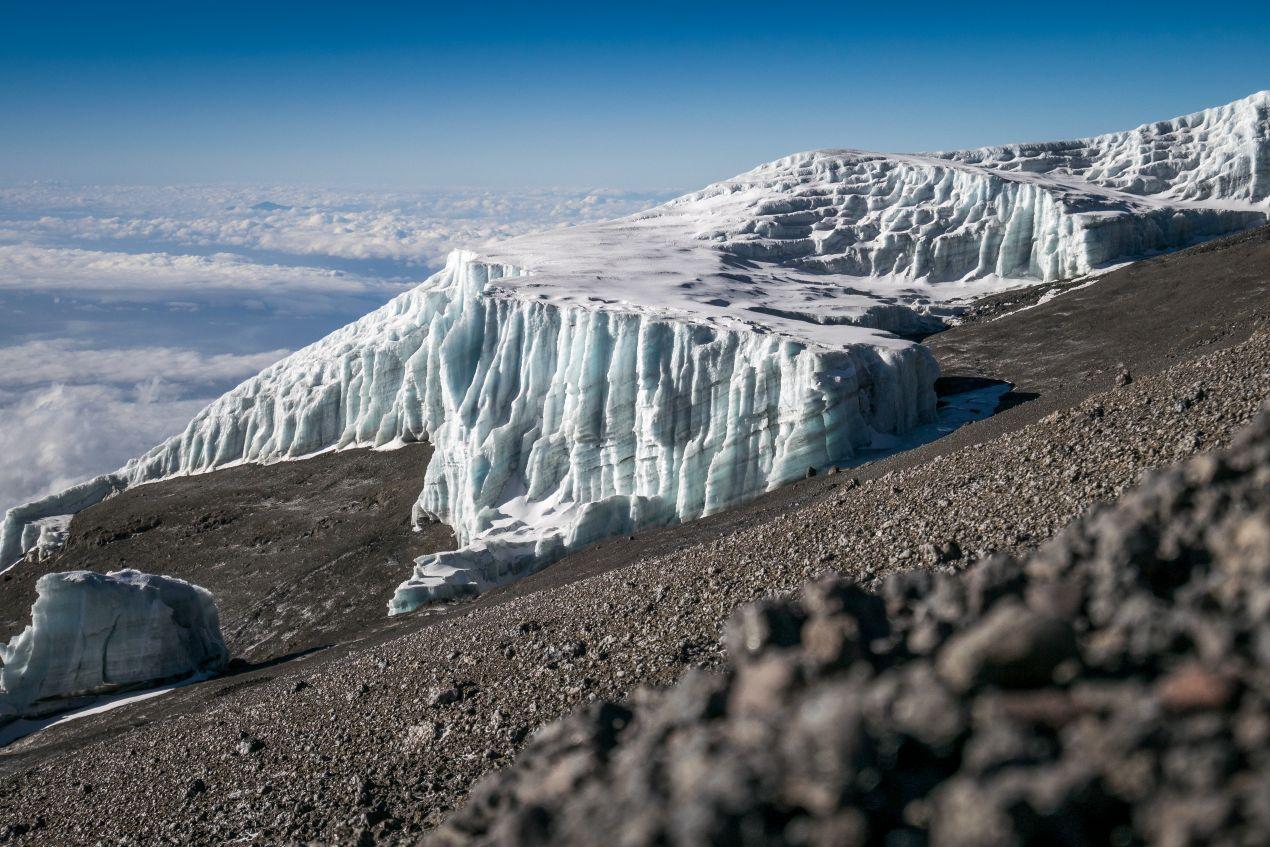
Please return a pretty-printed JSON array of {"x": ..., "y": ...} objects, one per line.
[
  {"x": 303, "y": 553},
  {"x": 378, "y": 740}
]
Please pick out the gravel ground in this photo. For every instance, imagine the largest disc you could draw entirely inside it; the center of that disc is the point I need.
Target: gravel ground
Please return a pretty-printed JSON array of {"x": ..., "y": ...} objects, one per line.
[
  {"x": 1112, "y": 688},
  {"x": 381, "y": 743}
]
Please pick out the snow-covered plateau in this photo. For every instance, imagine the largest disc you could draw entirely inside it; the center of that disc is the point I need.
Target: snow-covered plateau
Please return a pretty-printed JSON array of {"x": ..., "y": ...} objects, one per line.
[
  {"x": 93, "y": 634},
  {"x": 593, "y": 380}
]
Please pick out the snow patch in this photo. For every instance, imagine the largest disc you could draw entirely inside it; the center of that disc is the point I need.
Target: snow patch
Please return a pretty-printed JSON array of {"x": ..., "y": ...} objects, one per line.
[{"x": 22, "y": 727}]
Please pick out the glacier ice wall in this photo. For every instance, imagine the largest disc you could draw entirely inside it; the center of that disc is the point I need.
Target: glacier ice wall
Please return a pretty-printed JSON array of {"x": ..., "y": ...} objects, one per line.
[
  {"x": 566, "y": 426},
  {"x": 94, "y": 633},
  {"x": 1041, "y": 211},
  {"x": 551, "y": 427},
  {"x": 37, "y": 525},
  {"x": 908, "y": 217}
]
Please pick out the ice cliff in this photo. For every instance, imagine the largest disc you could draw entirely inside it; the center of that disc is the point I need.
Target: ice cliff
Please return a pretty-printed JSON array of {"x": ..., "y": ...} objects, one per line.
[
  {"x": 94, "y": 633},
  {"x": 593, "y": 380},
  {"x": 1219, "y": 155},
  {"x": 552, "y": 426}
]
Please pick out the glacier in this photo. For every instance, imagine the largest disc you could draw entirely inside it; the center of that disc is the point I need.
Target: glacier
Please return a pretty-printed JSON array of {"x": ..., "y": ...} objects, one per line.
[
  {"x": 589, "y": 381},
  {"x": 551, "y": 427},
  {"x": 93, "y": 633}
]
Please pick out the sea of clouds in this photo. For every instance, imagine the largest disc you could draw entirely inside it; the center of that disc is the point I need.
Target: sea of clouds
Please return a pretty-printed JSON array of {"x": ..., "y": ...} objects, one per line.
[{"x": 124, "y": 310}]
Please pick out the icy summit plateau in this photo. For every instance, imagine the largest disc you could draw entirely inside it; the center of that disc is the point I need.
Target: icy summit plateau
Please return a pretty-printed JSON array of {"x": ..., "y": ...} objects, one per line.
[{"x": 593, "y": 380}]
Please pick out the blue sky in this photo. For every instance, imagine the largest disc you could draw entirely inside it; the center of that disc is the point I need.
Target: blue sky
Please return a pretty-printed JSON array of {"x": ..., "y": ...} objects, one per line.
[{"x": 648, "y": 95}]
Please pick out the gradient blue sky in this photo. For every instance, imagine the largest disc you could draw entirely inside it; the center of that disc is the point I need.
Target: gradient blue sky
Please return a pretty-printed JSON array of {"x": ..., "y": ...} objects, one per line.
[{"x": 648, "y": 95}]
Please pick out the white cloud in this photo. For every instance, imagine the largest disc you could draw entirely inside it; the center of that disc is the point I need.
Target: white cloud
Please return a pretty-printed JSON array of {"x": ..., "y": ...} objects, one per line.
[
  {"x": 65, "y": 361},
  {"x": 56, "y": 435},
  {"x": 417, "y": 228},
  {"x": 51, "y": 269},
  {"x": 70, "y": 412}
]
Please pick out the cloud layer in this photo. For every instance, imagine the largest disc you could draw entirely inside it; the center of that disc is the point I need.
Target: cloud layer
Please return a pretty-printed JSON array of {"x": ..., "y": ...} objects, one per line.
[
  {"x": 70, "y": 411},
  {"x": 63, "y": 361},
  {"x": 414, "y": 229}
]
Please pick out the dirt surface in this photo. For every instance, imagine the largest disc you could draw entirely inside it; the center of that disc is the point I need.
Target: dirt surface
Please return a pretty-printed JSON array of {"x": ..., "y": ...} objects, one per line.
[
  {"x": 1145, "y": 317},
  {"x": 298, "y": 554}
]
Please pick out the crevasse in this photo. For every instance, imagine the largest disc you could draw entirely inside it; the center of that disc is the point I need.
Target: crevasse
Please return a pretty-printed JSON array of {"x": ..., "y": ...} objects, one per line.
[{"x": 551, "y": 426}]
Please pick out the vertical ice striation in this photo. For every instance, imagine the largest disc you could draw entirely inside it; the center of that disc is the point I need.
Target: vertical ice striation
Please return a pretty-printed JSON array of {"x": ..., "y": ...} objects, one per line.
[
  {"x": 1039, "y": 211},
  {"x": 1220, "y": 154},
  {"x": 565, "y": 426},
  {"x": 94, "y": 633},
  {"x": 940, "y": 220}
]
